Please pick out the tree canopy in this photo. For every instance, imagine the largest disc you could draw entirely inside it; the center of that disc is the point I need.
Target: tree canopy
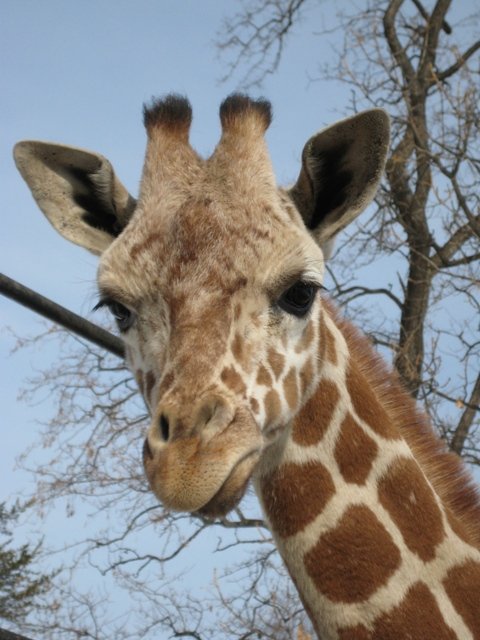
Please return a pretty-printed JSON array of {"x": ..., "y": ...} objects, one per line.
[{"x": 20, "y": 584}]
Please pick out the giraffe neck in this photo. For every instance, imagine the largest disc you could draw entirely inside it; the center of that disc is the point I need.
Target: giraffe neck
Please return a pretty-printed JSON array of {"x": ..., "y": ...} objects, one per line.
[{"x": 368, "y": 528}]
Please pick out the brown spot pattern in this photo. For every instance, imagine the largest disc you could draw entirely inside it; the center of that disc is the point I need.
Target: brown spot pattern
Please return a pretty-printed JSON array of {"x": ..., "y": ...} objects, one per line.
[
  {"x": 417, "y": 617},
  {"x": 254, "y": 405},
  {"x": 263, "y": 377},
  {"x": 294, "y": 495},
  {"x": 149, "y": 384},
  {"x": 327, "y": 343},
  {"x": 276, "y": 361},
  {"x": 359, "y": 632},
  {"x": 237, "y": 347},
  {"x": 236, "y": 285},
  {"x": 446, "y": 472},
  {"x": 367, "y": 405},
  {"x": 404, "y": 492},
  {"x": 306, "y": 338},
  {"x": 166, "y": 383},
  {"x": 273, "y": 406},
  {"x": 355, "y": 451},
  {"x": 290, "y": 388},
  {"x": 146, "y": 243},
  {"x": 139, "y": 379},
  {"x": 306, "y": 375},
  {"x": 233, "y": 380},
  {"x": 313, "y": 420},
  {"x": 322, "y": 348},
  {"x": 462, "y": 585},
  {"x": 353, "y": 560}
]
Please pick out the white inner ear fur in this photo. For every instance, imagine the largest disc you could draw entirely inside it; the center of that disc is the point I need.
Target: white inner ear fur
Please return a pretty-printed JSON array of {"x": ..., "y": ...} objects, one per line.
[{"x": 49, "y": 171}]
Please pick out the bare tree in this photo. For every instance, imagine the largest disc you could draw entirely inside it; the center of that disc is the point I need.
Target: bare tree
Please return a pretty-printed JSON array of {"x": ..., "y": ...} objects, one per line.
[
  {"x": 407, "y": 58},
  {"x": 410, "y": 60}
]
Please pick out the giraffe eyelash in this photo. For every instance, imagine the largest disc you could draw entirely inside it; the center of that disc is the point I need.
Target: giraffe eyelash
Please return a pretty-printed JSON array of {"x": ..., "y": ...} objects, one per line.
[
  {"x": 124, "y": 317},
  {"x": 103, "y": 302}
]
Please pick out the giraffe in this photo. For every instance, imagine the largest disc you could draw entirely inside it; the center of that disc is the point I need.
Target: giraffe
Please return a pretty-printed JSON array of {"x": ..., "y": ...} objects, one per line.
[{"x": 214, "y": 277}]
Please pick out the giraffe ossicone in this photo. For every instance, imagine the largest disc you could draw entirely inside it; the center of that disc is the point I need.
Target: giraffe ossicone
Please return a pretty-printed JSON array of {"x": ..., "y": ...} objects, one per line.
[{"x": 214, "y": 275}]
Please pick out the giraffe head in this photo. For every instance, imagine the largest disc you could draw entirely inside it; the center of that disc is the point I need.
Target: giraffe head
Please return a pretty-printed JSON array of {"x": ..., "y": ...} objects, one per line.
[{"x": 213, "y": 278}]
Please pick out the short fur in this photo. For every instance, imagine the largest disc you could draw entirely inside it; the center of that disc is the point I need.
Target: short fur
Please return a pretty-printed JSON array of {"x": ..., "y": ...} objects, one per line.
[{"x": 444, "y": 469}]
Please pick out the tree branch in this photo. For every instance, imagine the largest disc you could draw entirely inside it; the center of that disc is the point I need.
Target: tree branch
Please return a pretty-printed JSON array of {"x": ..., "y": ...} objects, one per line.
[
  {"x": 445, "y": 26},
  {"x": 463, "y": 428},
  {"x": 366, "y": 291},
  {"x": 430, "y": 44},
  {"x": 443, "y": 75},
  {"x": 393, "y": 41},
  {"x": 55, "y": 312},
  {"x": 453, "y": 244}
]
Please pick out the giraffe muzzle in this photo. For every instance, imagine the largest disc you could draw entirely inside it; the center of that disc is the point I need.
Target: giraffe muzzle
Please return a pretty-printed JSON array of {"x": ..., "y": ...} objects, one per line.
[{"x": 204, "y": 471}]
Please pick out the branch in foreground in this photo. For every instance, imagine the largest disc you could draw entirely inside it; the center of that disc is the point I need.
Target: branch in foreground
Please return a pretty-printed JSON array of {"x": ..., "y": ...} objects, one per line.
[
  {"x": 9, "y": 635},
  {"x": 55, "y": 312}
]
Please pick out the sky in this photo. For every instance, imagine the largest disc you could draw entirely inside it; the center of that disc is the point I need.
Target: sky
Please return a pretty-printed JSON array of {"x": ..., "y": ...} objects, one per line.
[{"x": 78, "y": 73}]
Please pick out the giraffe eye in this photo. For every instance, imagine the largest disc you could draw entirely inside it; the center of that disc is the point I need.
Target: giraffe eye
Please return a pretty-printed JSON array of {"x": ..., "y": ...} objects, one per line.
[
  {"x": 298, "y": 299},
  {"x": 123, "y": 316}
]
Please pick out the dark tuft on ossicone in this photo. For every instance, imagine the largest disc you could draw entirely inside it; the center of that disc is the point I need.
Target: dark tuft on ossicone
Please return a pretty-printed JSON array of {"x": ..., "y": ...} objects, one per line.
[
  {"x": 237, "y": 105},
  {"x": 171, "y": 112}
]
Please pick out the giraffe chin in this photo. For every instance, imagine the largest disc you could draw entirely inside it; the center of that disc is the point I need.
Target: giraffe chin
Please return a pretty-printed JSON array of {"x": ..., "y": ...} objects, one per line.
[
  {"x": 232, "y": 490},
  {"x": 205, "y": 475}
]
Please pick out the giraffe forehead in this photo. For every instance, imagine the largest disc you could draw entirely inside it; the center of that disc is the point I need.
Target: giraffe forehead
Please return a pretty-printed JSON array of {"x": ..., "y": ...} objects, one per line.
[{"x": 207, "y": 243}]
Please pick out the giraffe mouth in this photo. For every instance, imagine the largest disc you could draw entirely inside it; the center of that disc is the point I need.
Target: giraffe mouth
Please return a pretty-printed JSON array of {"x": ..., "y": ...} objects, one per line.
[
  {"x": 205, "y": 476},
  {"x": 233, "y": 489}
]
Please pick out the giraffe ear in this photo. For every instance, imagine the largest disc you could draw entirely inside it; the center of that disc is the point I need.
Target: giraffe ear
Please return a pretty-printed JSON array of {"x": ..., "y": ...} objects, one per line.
[
  {"x": 341, "y": 170},
  {"x": 77, "y": 190}
]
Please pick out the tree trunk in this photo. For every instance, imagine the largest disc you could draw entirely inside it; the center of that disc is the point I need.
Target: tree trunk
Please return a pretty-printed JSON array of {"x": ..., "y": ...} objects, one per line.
[{"x": 410, "y": 354}]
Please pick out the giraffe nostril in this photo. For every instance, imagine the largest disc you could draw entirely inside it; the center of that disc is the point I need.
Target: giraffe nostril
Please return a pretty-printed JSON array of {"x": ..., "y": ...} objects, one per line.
[{"x": 164, "y": 427}]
